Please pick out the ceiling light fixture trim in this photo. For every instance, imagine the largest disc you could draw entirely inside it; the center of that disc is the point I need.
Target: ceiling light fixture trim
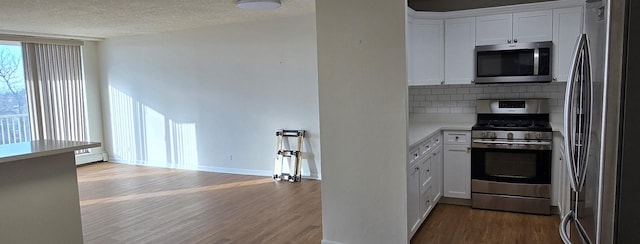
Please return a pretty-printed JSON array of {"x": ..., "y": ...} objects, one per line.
[{"x": 258, "y": 4}]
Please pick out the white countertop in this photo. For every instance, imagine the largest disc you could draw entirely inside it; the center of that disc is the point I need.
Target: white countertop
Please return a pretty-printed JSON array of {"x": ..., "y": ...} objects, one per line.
[
  {"x": 32, "y": 149},
  {"x": 421, "y": 127}
]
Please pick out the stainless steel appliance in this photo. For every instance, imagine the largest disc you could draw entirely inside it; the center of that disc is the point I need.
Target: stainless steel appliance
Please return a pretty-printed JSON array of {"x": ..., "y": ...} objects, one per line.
[
  {"x": 513, "y": 62},
  {"x": 511, "y": 156},
  {"x": 583, "y": 110},
  {"x": 597, "y": 131}
]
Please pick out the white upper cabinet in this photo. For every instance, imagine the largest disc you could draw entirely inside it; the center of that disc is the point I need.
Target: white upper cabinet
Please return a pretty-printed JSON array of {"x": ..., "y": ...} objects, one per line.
[
  {"x": 494, "y": 29},
  {"x": 532, "y": 26},
  {"x": 567, "y": 27},
  {"x": 460, "y": 35},
  {"x": 426, "y": 52}
]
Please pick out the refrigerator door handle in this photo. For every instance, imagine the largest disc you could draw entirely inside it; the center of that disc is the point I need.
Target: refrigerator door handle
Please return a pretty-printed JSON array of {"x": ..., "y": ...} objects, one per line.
[
  {"x": 587, "y": 105},
  {"x": 563, "y": 227},
  {"x": 569, "y": 123}
]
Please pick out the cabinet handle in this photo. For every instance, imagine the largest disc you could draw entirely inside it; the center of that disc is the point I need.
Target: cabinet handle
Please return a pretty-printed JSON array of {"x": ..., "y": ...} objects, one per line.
[
  {"x": 555, "y": 78},
  {"x": 515, "y": 40},
  {"x": 457, "y": 138},
  {"x": 508, "y": 41},
  {"x": 417, "y": 168},
  {"x": 441, "y": 82}
]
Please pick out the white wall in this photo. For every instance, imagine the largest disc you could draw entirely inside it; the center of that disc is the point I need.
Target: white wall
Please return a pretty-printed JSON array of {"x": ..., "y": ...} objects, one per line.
[
  {"x": 93, "y": 101},
  {"x": 211, "y": 99},
  {"x": 362, "y": 82}
]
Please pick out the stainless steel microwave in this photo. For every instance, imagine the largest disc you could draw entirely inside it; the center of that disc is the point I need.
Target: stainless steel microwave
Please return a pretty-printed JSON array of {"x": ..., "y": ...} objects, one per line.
[{"x": 514, "y": 63}]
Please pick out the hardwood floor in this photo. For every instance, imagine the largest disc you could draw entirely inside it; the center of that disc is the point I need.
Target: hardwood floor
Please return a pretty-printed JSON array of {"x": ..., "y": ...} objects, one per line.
[
  {"x": 133, "y": 204},
  {"x": 461, "y": 224}
]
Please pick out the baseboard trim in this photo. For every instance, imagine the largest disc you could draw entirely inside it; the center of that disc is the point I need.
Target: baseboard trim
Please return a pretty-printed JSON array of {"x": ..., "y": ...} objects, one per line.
[
  {"x": 455, "y": 201},
  {"x": 467, "y": 202},
  {"x": 223, "y": 170},
  {"x": 87, "y": 158}
]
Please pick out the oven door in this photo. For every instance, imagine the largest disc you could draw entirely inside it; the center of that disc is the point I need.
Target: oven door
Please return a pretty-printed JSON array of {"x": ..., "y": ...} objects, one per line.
[{"x": 527, "y": 166}]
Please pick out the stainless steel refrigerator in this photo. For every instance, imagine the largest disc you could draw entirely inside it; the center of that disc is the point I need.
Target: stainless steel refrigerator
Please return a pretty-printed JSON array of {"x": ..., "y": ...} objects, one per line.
[{"x": 597, "y": 107}]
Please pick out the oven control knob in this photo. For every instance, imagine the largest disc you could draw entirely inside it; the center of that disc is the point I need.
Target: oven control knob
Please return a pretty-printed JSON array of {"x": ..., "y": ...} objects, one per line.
[
  {"x": 527, "y": 135},
  {"x": 509, "y": 135},
  {"x": 493, "y": 135},
  {"x": 483, "y": 134},
  {"x": 538, "y": 135}
]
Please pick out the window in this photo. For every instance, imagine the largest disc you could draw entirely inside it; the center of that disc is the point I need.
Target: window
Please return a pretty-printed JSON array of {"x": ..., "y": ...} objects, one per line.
[
  {"x": 14, "y": 114},
  {"x": 41, "y": 92}
]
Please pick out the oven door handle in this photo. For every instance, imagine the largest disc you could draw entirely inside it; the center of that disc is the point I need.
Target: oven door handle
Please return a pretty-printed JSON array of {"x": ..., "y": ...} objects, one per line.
[{"x": 546, "y": 143}]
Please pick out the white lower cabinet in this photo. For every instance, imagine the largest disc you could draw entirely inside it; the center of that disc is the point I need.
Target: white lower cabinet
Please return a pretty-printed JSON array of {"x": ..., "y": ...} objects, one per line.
[
  {"x": 413, "y": 198},
  {"x": 561, "y": 186},
  {"x": 436, "y": 168},
  {"x": 457, "y": 164},
  {"x": 424, "y": 181}
]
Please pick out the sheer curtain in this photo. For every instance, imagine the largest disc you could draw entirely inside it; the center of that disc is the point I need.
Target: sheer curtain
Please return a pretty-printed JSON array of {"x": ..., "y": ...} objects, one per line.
[{"x": 55, "y": 87}]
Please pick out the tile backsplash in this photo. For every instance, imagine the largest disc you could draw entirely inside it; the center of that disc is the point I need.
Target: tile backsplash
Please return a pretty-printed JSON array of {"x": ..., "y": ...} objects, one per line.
[{"x": 461, "y": 99}]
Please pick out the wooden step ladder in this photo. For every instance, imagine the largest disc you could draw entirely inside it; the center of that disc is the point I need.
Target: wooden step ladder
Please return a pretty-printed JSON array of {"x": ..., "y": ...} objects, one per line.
[{"x": 294, "y": 173}]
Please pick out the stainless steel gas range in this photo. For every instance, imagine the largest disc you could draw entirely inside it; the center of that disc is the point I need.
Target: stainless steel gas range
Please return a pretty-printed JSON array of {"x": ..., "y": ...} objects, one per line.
[{"x": 511, "y": 156}]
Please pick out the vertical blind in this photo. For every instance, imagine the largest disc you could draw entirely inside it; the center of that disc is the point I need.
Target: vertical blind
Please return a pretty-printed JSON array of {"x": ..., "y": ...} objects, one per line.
[{"x": 55, "y": 88}]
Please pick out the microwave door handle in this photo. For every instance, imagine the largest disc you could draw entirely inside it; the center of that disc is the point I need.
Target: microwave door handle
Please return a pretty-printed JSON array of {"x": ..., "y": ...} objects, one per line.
[
  {"x": 536, "y": 61},
  {"x": 568, "y": 115}
]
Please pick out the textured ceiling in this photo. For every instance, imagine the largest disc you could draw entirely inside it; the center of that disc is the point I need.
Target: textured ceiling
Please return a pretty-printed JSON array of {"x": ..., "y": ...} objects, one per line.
[{"x": 110, "y": 18}]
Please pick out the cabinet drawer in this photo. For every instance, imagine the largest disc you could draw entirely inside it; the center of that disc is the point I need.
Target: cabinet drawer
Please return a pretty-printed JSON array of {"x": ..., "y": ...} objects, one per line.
[
  {"x": 457, "y": 137},
  {"x": 414, "y": 155},
  {"x": 426, "y": 146},
  {"x": 436, "y": 141}
]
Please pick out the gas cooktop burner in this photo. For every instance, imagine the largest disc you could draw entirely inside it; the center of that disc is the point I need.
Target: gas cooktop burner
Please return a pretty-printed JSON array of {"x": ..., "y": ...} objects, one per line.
[
  {"x": 513, "y": 115},
  {"x": 511, "y": 124}
]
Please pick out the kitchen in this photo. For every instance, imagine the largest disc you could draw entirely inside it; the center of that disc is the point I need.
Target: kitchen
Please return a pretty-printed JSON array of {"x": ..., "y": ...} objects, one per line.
[
  {"x": 457, "y": 106},
  {"x": 455, "y": 37}
]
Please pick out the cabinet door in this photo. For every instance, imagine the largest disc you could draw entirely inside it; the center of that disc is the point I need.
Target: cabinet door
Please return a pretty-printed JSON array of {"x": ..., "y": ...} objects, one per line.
[
  {"x": 567, "y": 27},
  {"x": 436, "y": 174},
  {"x": 425, "y": 173},
  {"x": 425, "y": 186},
  {"x": 565, "y": 188},
  {"x": 494, "y": 29},
  {"x": 426, "y": 203},
  {"x": 427, "y": 52},
  {"x": 532, "y": 26},
  {"x": 460, "y": 42},
  {"x": 457, "y": 174},
  {"x": 413, "y": 199}
]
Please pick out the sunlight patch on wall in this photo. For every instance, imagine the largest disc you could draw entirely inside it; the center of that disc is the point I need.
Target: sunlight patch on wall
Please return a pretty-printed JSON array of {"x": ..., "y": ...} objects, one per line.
[
  {"x": 144, "y": 136},
  {"x": 184, "y": 148},
  {"x": 153, "y": 135},
  {"x": 122, "y": 123}
]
